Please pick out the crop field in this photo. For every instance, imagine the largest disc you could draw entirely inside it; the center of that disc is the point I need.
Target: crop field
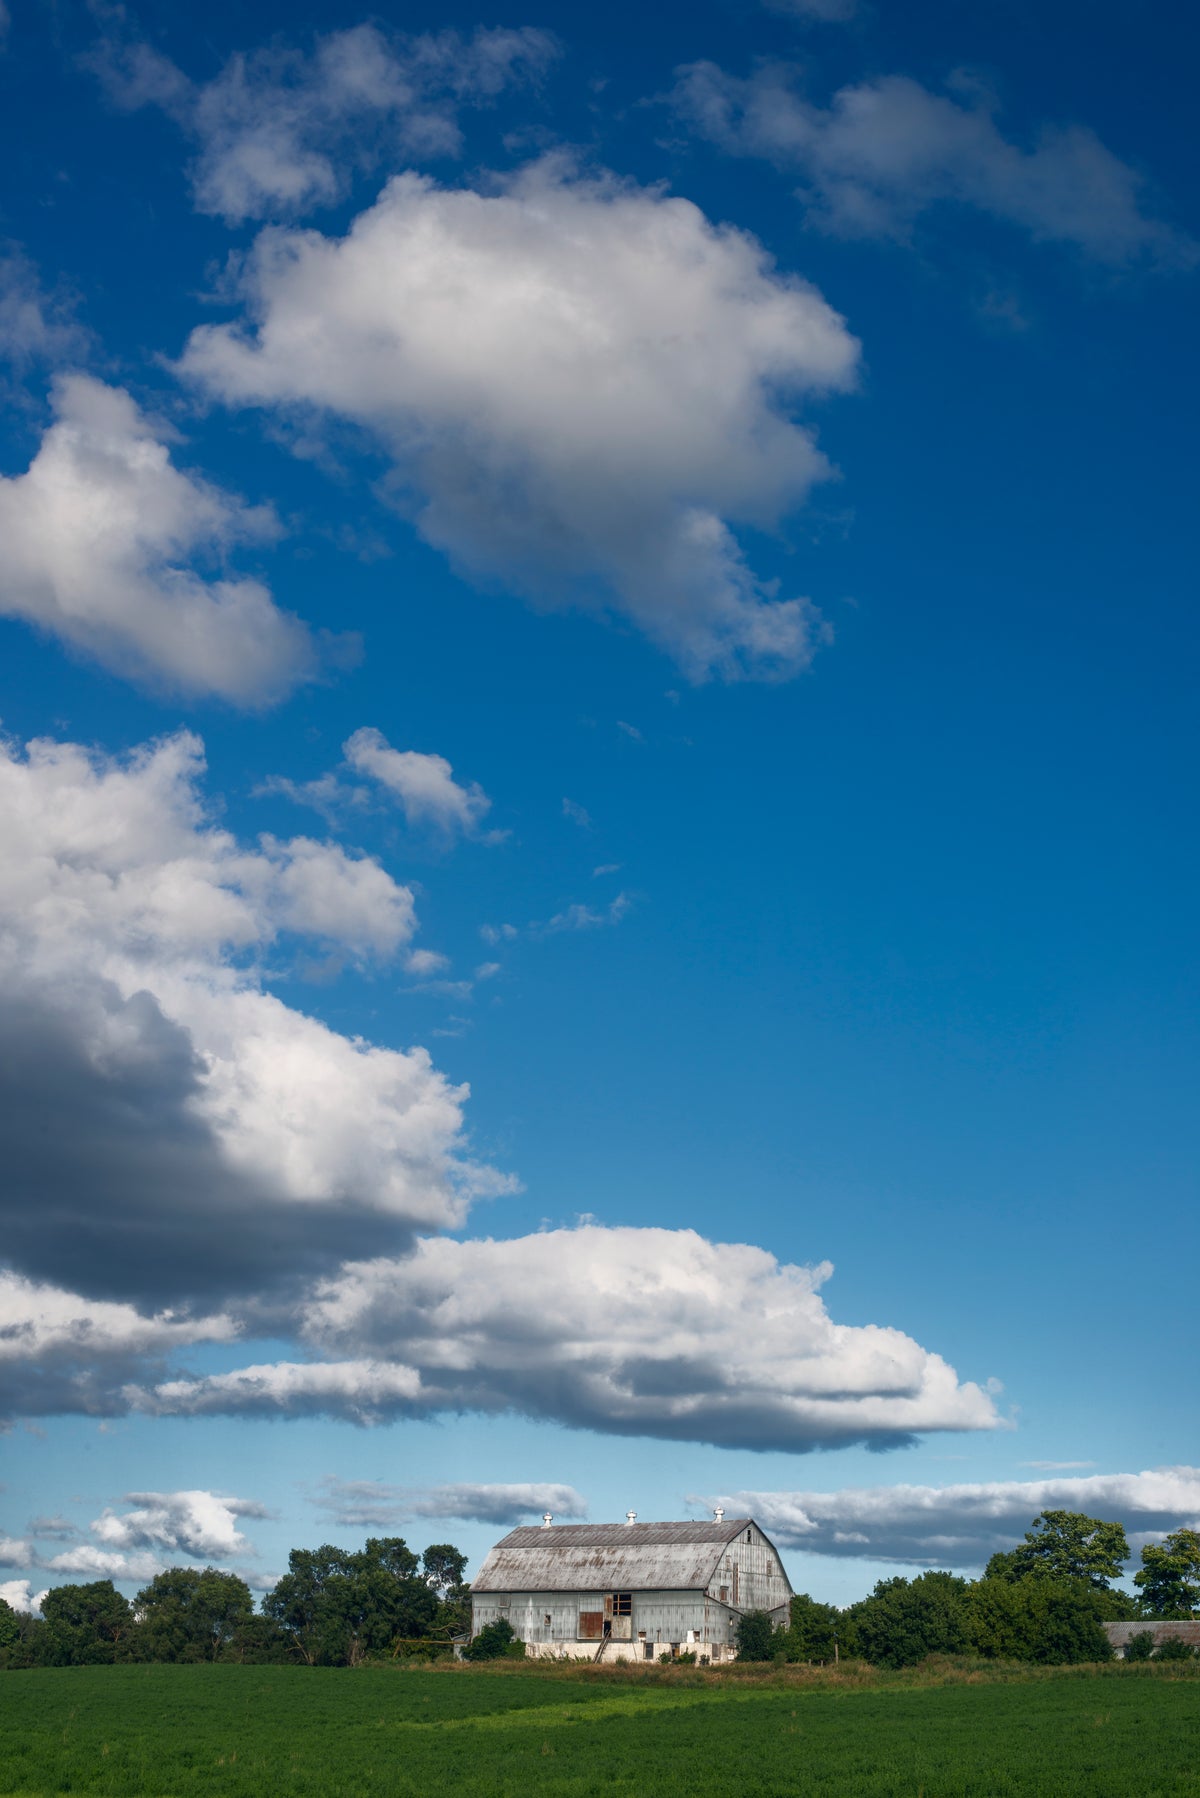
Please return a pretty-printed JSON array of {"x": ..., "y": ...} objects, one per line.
[{"x": 383, "y": 1732}]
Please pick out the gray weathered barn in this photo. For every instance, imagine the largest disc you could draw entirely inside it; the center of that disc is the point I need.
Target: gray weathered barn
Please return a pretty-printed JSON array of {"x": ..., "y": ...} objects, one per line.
[{"x": 631, "y": 1591}]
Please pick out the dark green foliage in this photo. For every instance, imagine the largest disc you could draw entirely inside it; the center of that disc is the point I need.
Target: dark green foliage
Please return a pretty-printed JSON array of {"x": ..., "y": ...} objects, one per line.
[
  {"x": 1065, "y": 1545},
  {"x": 1141, "y": 1646},
  {"x": 185, "y": 1615},
  {"x": 757, "y": 1637},
  {"x": 338, "y": 1608},
  {"x": 1169, "y": 1581},
  {"x": 904, "y": 1620},
  {"x": 493, "y": 1641},
  {"x": 1051, "y": 1622},
  {"x": 1174, "y": 1648},
  {"x": 814, "y": 1630},
  {"x": 83, "y": 1626},
  {"x": 10, "y": 1626},
  {"x": 390, "y": 1732}
]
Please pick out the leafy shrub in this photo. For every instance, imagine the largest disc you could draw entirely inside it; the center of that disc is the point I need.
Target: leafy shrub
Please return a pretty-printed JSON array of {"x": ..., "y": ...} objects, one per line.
[
  {"x": 1141, "y": 1646},
  {"x": 493, "y": 1642},
  {"x": 1174, "y": 1648}
]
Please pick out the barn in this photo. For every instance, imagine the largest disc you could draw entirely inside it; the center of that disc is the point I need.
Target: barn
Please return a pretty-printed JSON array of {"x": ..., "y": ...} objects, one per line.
[{"x": 631, "y": 1591}]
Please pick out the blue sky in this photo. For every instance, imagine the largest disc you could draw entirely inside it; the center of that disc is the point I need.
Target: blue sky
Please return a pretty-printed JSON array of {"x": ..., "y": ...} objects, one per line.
[{"x": 606, "y": 606}]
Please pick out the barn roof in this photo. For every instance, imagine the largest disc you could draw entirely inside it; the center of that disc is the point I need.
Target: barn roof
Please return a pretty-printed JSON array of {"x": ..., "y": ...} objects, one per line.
[{"x": 595, "y": 1557}]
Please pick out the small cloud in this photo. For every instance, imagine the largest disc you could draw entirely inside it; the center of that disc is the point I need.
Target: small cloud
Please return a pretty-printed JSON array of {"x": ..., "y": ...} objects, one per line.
[
  {"x": 498, "y": 933},
  {"x": 423, "y": 962},
  {"x": 577, "y": 814},
  {"x": 607, "y": 868},
  {"x": 585, "y": 917},
  {"x": 487, "y": 970},
  {"x": 631, "y": 731}
]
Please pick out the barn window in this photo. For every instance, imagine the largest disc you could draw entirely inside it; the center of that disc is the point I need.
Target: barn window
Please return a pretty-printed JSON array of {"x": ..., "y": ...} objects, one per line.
[
  {"x": 724, "y": 1594},
  {"x": 547, "y": 1619},
  {"x": 622, "y": 1604},
  {"x": 747, "y": 1535}
]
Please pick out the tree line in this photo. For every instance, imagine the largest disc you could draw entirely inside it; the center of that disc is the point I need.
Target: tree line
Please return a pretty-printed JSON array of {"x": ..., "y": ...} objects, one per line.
[
  {"x": 1046, "y": 1601},
  {"x": 332, "y": 1608}
]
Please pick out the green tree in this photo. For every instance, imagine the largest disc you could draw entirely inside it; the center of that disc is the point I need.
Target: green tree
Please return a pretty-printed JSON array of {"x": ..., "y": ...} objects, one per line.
[
  {"x": 1065, "y": 1545},
  {"x": 339, "y": 1607},
  {"x": 10, "y": 1626},
  {"x": 904, "y": 1620},
  {"x": 187, "y": 1615},
  {"x": 757, "y": 1637},
  {"x": 1169, "y": 1581},
  {"x": 84, "y": 1625},
  {"x": 813, "y": 1630},
  {"x": 443, "y": 1567},
  {"x": 493, "y": 1641},
  {"x": 1049, "y": 1621}
]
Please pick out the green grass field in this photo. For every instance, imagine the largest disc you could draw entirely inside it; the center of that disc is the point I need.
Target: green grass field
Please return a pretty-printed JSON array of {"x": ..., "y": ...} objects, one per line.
[{"x": 375, "y": 1732}]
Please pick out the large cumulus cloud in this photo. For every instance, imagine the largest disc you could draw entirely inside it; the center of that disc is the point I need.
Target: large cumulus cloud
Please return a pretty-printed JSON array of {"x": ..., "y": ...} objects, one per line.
[
  {"x": 173, "y": 1133},
  {"x": 584, "y": 386},
  {"x": 636, "y": 1332}
]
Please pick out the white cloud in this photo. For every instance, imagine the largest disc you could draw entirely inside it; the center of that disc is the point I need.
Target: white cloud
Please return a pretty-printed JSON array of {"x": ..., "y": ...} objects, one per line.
[
  {"x": 961, "y": 1526},
  {"x": 422, "y": 962},
  {"x": 59, "y": 1351},
  {"x": 35, "y": 326},
  {"x": 280, "y": 131},
  {"x": 97, "y": 541},
  {"x": 164, "y": 1528},
  {"x": 19, "y": 1594},
  {"x": 585, "y": 917},
  {"x": 577, "y": 813},
  {"x": 423, "y": 785},
  {"x": 584, "y": 386},
  {"x": 218, "y": 1139},
  {"x": 887, "y": 150},
  {"x": 637, "y": 1332},
  {"x": 196, "y": 1523},
  {"x": 369, "y": 1504}
]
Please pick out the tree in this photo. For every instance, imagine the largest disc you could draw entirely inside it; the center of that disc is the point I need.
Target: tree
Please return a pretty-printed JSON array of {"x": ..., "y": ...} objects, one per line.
[
  {"x": 813, "y": 1630},
  {"x": 1169, "y": 1581},
  {"x": 10, "y": 1626},
  {"x": 493, "y": 1641},
  {"x": 443, "y": 1567},
  {"x": 1052, "y": 1622},
  {"x": 338, "y": 1607},
  {"x": 1065, "y": 1545},
  {"x": 904, "y": 1620},
  {"x": 83, "y": 1625},
  {"x": 187, "y": 1615},
  {"x": 757, "y": 1637}
]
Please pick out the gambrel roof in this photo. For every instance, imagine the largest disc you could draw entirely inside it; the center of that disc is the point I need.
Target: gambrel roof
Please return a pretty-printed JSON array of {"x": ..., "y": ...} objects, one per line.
[{"x": 598, "y": 1557}]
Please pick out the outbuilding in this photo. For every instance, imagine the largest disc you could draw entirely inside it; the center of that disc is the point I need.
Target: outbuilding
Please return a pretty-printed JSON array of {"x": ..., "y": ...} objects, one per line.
[{"x": 631, "y": 1591}]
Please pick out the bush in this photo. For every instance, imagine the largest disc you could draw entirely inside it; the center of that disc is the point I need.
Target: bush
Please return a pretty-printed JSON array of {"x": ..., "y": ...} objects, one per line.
[
  {"x": 1141, "y": 1646},
  {"x": 493, "y": 1642},
  {"x": 757, "y": 1637},
  {"x": 1174, "y": 1648}
]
